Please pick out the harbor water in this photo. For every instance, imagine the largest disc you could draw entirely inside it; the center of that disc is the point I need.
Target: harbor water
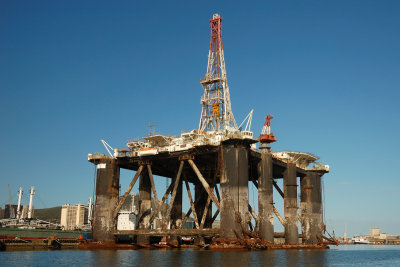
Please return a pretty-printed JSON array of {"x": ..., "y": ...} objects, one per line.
[{"x": 344, "y": 255}]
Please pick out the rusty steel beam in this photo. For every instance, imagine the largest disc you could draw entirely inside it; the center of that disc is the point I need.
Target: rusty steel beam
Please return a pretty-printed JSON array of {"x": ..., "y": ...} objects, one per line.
[
  {"x": 153, "y": 187},
  {"x": 176, "y": 183},
  {"x": 190, "y": 210},
  {"x": 283, "y": 222},
  {"x": 207, "y": 209},
  {"x": 175, "y": 218},
  {"x": 217, "y": 193},
  {"x": 196, "y": 221},
  {"x": 282, "y": 195},
  {"x": 253, "y": 213},
  {"x": 254, "y": 182},
  {"x": 161, "y": 203},
  {"x": 278, "y": 189},
  {"x": 187, "y": 215},
  {"x": 204, "y": 183},
  {"x": 214, "y": 217},
  {"x": 207, "y": 206},
  {"x": 128, "y": 190},
  {"x": 205, "y": 212}
]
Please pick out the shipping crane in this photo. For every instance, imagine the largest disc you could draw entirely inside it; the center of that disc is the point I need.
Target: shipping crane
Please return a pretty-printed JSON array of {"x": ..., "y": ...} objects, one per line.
[{"x": 266, "y": 136}]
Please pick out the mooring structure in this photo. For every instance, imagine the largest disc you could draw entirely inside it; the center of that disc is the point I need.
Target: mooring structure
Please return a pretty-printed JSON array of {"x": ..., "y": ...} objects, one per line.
[{"x": 220, "y": 160}]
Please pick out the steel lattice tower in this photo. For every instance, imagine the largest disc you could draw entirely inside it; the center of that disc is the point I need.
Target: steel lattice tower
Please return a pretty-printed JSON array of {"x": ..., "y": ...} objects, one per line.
[{"x": 216, "y": 114}]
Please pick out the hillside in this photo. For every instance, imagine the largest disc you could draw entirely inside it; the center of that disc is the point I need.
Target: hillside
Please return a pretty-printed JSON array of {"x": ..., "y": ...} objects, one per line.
[{"x": 50, "y": 214}]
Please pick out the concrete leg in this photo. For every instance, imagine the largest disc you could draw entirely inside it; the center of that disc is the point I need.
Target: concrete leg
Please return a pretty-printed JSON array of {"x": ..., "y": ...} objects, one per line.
[
  {"x": 234, "y": 189},
  {"x": 317, "y": 225},
  {"x": 107, "y": 191},
  {"x": 176, "y": 212},
  {"x": 306, "y": 208},
  {"x": 265, "y": 198},
  {"x": 290, "y": 204},
  {"x": 144, "y": 204}
]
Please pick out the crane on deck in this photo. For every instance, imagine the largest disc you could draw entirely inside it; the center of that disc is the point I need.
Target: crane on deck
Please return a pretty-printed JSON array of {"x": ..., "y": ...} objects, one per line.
[{"x": 266, "y": 137}]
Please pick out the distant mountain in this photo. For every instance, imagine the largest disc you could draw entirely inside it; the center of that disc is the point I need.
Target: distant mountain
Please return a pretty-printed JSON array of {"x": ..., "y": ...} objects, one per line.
[{"x": 50, "y": 215}]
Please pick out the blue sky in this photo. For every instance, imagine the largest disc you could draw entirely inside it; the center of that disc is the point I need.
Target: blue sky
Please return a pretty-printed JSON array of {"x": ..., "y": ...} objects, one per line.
[{"x": 75, "y": 72}]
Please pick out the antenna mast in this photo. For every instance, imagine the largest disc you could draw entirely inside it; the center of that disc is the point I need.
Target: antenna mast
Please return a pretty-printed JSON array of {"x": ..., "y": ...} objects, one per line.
[{"x": 216, "y": 113}]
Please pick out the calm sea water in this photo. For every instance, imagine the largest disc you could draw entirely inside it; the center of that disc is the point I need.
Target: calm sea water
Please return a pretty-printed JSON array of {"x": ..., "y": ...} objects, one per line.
[{"x": 351, "y": 255}]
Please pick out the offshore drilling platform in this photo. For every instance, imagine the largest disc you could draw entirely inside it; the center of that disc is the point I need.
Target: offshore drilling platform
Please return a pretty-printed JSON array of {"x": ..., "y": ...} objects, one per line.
[{"x": 220, "y": 158}]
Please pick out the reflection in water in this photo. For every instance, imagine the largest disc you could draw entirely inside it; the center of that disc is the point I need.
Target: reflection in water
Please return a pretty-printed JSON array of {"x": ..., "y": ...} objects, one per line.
[
  {"x": 315, "y": 257},
  {"x": 231, "y": 258},
  {"x": 266, "y": 258},
  {"x": 343, "y": 256},
  {"x": 293, "y": 257}
]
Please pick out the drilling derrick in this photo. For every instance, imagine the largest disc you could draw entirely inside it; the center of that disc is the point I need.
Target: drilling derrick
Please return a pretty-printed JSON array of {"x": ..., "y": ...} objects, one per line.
[{"x": 216, "y": 114}]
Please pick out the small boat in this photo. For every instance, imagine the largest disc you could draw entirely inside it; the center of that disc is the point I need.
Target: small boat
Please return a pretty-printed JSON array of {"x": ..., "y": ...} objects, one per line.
[{"x": 361, "y": 241}]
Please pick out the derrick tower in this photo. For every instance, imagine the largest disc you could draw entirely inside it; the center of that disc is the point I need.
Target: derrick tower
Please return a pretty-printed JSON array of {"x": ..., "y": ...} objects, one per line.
[{"x": 216, "y": 113}]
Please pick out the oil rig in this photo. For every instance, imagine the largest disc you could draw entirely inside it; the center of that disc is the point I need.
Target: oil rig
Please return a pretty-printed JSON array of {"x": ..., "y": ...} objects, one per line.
[{"x": 220, "y": 159}]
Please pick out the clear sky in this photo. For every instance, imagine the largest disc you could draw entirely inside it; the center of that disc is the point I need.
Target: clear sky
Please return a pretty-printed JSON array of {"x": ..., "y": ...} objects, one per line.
[{"x": 75, "y": 72}]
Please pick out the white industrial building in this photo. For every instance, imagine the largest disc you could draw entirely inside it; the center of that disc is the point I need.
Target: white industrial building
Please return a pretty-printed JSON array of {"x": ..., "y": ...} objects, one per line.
[{"x": 74, "y": 217}]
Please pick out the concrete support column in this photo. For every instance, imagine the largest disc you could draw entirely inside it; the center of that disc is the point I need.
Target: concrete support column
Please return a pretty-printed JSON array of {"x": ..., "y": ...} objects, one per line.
[
  {"x": 234, "y": 189},
  {"x": 317, "y": 224},
  {"x": 144, "y": 205},
  {"x": 176, "y": 211},
  {"x": 200, "y": 192},
  {"x": 265, "y": 197},
  {"x": 306, "y": 188},
  {"x": 144, "y": 200},
  {"x": 290, "y": 204},
  {"x": 107, "y": 191}
]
